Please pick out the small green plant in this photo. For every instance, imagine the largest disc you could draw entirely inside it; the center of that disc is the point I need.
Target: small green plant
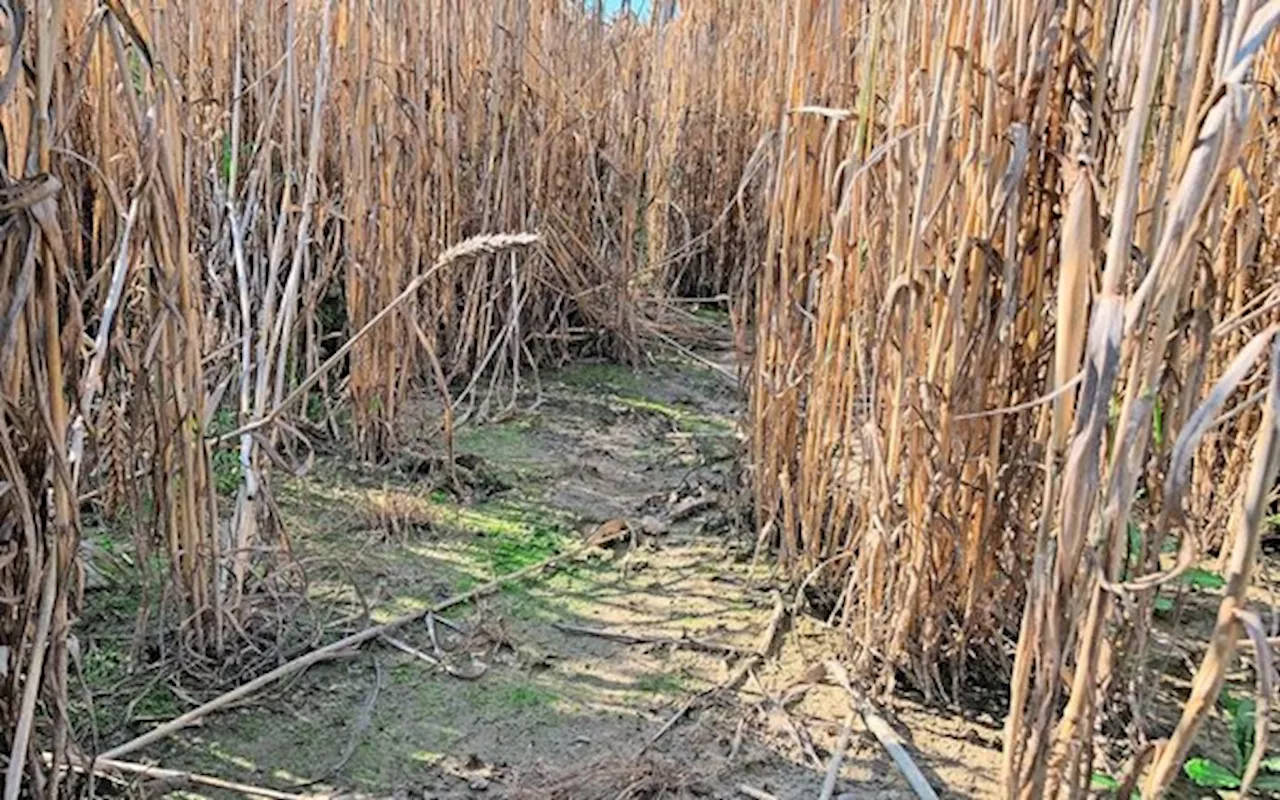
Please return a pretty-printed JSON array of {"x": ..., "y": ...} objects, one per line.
[
  {"x": 225, "y": 162},
  {"x": 102, "y": 665},
  {"x": 1104, "y": 784},
  {"x": 509, "y": 552},
  {"x": 1135, "y": 544},
  {"x": 225, "y": 460},
  {"x": 137, "y": 71},
  {"x": 525, "y": 696},
  {"x": 1195, "y": 578},
  {"x": 659, "y": 683},
  {"x": 1209, "y": 774},
  {"x": 510, "y": 697},
  {"x": 315, "y": 408},
  {"x": 602, "y": 376},
  {"x": 1203, "y": 579}
]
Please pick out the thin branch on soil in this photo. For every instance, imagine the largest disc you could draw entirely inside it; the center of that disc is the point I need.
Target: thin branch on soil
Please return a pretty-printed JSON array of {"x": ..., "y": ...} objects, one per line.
[
  {"x": 1140, "y": 760},
  {"x": 884, "y": 734},
  {"x": 771, "y": 642},
  {"x": 330, "y": 651},
  {"x": 405, "y": 647},
  {"x": 737, "y": 739},
  {"x": 751, "y": 791},
  {"x": 798, "y": 733},
  {"x": 676, "y": 717},
  {"x": 892, "y": 744},
  {"x": 686, "y": 642},
  {"x": 688, "y": 353},
  {"x": 767, "y": 648},
  {"x": 692, "y": 506},
  {"x": 362, "y": 722},
  {"x": 107, "y": 767},
  {"x": 445, "y": 621},
  {"x": 837, "y": 757}
]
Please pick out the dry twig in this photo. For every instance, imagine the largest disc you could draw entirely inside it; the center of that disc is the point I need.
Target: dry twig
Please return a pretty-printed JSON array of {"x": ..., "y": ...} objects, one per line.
[{"x": 327, "y": 652}]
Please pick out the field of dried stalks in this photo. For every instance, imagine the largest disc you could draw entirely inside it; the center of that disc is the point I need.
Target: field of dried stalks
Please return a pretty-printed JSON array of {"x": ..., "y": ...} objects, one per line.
[{"x": 999, "y": 277}]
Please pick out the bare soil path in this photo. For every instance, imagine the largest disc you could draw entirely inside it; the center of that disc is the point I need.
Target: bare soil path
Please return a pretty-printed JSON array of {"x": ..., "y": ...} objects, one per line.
[{"x": 525, "y": 703}]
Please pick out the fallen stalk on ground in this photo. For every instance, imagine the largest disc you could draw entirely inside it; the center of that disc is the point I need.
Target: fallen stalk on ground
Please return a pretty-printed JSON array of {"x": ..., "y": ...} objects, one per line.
[
  {"x": 111, "y": 767},
  {"x": 685, "y": 642},
  {"x": 837, "y": 758},
  {"x": 327, "y": 652},
  {"x": 884, "y": 733},
  {"x": 767, "y": 648}
]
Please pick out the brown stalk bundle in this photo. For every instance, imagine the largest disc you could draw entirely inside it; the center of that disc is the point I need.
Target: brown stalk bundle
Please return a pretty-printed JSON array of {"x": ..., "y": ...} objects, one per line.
[
  {"x": 220, "y": 217},
  {"x": 901, "y": 295},
  {"x": 38, "y": 519},
  {"x": 1012, "y": 246}
]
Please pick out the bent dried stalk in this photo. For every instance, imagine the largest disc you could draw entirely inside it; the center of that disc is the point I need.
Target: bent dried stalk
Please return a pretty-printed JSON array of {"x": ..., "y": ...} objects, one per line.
[{"x": 1205, "y": 687}]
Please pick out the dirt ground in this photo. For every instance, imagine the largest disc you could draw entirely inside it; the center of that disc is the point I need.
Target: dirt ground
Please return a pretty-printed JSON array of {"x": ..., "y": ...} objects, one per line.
[
  {"x": 523, "y": 703},
  {"x": 562, "y": 685}
]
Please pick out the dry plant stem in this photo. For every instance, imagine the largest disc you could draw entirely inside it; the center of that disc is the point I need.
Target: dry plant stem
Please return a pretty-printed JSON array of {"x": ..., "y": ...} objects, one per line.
[
  {"x": 770, "y": 640},
  {"x": 1055, "y": 397},
  {"x": 109, "y": 767},
  {"x": 837, "y": 758},
  {"x": 892, "y": 743},
  {"x": 326, "y": 652},
  {"x": 409, "y": 649},
  {"x": 92, "y": 383},
  {"x": 1213, "y": 669},
  {"x": 754, "y": 793},
  {"x": 62, "y": 536},
  {"x": 799, "y": 735},
  {"x": 1136, "y": 767},
  {"x": 1266, "y": 692},
  {"x": 686, "y": 642},
  {"x": 884, "y": 733},
  {"x": 26, "y": 718},
  {"x": 1076, "y": 269},
  {"x": 289, "y": 300},
  {"x": 470, "y": 248},
  {"x": 361, "y": 723}
]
